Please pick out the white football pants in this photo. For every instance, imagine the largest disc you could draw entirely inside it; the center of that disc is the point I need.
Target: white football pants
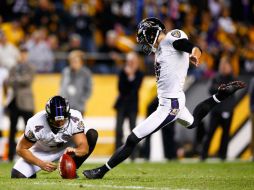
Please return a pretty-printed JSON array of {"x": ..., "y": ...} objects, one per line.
[{"x": 169, "y": 110}]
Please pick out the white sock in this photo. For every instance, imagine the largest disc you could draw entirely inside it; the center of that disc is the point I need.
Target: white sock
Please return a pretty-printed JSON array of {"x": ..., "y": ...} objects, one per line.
[
  {"x": 216, "y": 99},
  {"x": 108, "y": 166}
]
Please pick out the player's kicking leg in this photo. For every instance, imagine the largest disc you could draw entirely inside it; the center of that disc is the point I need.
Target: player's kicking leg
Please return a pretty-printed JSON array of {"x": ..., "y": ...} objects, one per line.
[
  {"x": 154, "y": 122},
  {"x": 119, "y": 156},
  {"x": 224, "y": 91},
  {"x": 200, "y": 112}
]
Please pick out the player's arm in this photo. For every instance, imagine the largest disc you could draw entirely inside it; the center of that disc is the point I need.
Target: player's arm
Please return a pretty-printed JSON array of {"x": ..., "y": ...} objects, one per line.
[
  {"x": 186, "y": 46},
  {"x": 23, "y": 151},
  {"x": 80, "y": 141}
]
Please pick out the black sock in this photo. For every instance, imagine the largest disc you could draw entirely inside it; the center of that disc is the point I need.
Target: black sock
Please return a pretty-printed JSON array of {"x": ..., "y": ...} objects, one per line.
[
  {"x": 92, "y": 136},
  {"x": 121, "y": 153},
  {"x": 104, "y": 168},
  {"x": 201, "y": 110},
  {"x": 221, "y": 96}
]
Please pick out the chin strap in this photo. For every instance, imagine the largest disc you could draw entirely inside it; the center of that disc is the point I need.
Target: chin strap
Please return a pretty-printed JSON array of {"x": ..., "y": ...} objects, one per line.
[{"x": 155, "y": 40}]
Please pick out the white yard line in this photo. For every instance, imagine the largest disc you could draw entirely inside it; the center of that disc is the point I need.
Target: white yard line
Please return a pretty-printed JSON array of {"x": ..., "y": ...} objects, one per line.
[{"x": 108, "y": 186}]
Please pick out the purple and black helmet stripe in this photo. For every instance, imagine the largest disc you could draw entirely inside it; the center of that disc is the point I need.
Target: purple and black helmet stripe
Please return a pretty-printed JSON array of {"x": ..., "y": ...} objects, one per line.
[{"x": 57, "y": 106}]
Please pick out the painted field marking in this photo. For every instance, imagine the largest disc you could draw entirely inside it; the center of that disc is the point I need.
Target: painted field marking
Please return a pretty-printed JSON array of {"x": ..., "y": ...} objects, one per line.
[{"x": 108, "y": 186}]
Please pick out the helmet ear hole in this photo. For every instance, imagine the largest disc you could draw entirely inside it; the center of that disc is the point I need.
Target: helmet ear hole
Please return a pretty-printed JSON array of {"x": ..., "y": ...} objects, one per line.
[{"x": 47, "y": 108}]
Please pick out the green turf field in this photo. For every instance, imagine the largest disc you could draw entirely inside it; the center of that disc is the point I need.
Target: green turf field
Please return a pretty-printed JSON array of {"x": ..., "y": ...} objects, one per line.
[{"x": 147, "y": 176}]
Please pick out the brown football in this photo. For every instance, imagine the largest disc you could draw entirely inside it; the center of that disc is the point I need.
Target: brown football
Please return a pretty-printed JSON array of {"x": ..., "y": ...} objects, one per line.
[{"x": 67, "y": 167}]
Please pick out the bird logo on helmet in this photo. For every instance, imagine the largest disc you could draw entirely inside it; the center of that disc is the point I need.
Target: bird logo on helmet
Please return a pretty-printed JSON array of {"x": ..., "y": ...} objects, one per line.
[
  {"x": 148, "y": 31},
  {"x": 58, "y": 112}
]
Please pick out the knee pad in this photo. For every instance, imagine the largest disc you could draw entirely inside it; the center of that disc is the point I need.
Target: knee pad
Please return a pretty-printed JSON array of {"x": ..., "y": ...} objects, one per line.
[
  {"x": 132, "y": 140},
  {"x": 92, "y": 136}
]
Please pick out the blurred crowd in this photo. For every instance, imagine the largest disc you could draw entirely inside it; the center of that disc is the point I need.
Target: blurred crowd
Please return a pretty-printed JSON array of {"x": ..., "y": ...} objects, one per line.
[{"x": 105, "y": 30}]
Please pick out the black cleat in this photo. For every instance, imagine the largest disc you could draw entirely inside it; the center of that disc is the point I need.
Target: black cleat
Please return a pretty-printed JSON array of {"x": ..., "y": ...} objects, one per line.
[
  {"x": 225, "y": 90},
  {"x": 94, "y": 173}
]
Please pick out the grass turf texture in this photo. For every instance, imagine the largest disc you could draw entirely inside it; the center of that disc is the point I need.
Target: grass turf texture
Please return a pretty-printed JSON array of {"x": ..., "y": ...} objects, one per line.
[{"x": 150, "y": 176}]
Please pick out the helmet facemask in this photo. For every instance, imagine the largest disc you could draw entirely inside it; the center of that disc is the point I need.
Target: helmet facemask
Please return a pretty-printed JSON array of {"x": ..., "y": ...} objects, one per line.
[
  {"x": 148, "y": 40},
  {"x": 57, "y": 123},
  {"x": 148, "y": 33}
]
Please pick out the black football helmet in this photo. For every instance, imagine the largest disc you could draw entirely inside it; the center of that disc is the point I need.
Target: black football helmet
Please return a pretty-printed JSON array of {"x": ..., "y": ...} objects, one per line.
[
  {"x": 58, "y": 112},
  {"x": 148, "y": 31}
]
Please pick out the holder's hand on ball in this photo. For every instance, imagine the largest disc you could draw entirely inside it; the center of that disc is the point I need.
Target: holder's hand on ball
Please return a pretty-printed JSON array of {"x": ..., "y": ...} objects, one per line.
[{"x": 70, "y": 150}]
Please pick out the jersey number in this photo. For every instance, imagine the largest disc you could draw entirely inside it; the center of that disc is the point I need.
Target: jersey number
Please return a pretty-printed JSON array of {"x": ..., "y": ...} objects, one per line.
[
  {"x": 38, "y": 128},
  {"x": 74, "y": 119},
  {"x": 157, "y": 68}
]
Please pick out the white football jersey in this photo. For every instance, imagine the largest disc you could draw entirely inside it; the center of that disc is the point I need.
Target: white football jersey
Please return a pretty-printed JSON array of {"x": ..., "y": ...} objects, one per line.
[
  {"x": 38, "y": 130},
  {"x": 171, "y": 66}
]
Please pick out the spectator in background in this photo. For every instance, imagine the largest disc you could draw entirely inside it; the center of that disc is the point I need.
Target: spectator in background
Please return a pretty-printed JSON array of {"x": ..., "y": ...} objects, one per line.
[
  {"x": 247, "y": 53},
  {"x": 76, "y": 81},
  {"x": 21, "y": 102},
  {"x": 225, "y": 22},
  {"x": 206, "y": 68},
  {"x": 20, "y": 7},
  {"x": 3, "y": 77},
  {"x": 83, "y": 25},
  {"x": 242, "y": 10},
  {"x": 25, "y": 23},
  {"x": 222, "y": 114},
  {"x": 251, "y": 93},
  {"x": 53, "y": 43},
  {"x": 75, "y": 42},
  {"x": 123, "y": 12},
  {"x": 13, "y": 31},
  {"x": 8, "y": 53},
  {"x": 215, "y": 7},
  {"x": 44, "y": 13},
  {"x": 129, "y": 83},
  {"x": 112, "y": 53},
  {"x": 104, "y": 18},
  {"x": 40, "y": 53}
]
